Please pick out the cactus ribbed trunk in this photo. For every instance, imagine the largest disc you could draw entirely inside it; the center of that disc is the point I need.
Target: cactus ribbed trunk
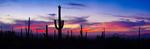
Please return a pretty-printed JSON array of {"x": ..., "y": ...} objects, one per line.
[
  {"x": 81, "y": 31},
  {"x": 59, "y": 23}
]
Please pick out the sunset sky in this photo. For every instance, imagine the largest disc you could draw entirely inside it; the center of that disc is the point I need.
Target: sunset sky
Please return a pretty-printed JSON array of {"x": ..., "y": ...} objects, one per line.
[{"x": 116, "y": 16}]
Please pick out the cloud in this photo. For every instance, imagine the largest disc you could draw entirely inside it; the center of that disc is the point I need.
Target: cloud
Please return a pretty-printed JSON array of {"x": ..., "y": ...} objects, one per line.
[
  {"x": 81, "y": 19},
  {"x": 53, "y": 14},
  {"x": 7, "y": 20},
  {"x": 77, "y": 4},
  {"x": 74, "y": 6}
]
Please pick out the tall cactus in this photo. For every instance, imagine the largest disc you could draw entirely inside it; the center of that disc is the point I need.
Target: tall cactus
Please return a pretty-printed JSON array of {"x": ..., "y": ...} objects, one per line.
[
  {"x": 71, "y": 33},
  {"x": 103, "y": 33},
  {"x": 139, "y": 33},
  {"x": 46, "y": 32},
  {"x": 68, "y": 33},
  {"x": 54, "y": 33},
  {"x": 81, "y": 31},
  {"x": 12, "y": 29},
  {"x": 28, "y": 25},
  {"x": 59, "y": 23},
  {"x": 28, "y": 28},
  {"x": 86, "y": 34},
  {"x": 1, "y": 28},
  {"x": 21, "y": 33}
]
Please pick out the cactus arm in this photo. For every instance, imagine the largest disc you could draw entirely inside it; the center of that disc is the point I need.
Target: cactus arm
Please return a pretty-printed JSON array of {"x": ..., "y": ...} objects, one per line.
[{"x": 55, "y": 22}]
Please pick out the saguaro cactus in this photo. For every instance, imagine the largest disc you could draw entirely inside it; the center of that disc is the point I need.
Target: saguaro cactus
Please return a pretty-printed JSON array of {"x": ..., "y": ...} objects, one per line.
[
  {"x": 68, "y": 34},
  {"x": 55, "y": 33},
  {"x": 86, "y": 34},
  {"x": 28, "y": 28},
  {"x": 71, "y": 33},
  {"x": 12, "y": 29},
  {"x": 81, "y": 31},
  {"x": 46, "y": 32},
  {"x": 59, "y": 23},
  {"x": 29, "y": 25},
  {"x": 103, "y": 33},
  {"x": 139, "y": 33},
  {"x": 1, "y": 28},
  {"x": 21, "y": 33}
]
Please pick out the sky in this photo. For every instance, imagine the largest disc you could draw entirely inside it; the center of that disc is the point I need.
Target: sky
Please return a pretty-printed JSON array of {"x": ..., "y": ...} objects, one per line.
[{"x": 116, "y": 16}]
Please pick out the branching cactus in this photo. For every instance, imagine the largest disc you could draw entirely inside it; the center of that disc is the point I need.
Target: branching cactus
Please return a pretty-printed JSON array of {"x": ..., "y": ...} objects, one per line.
[
  {"x": 81, "y": 31},
  {"x": 59, "y": 23}
]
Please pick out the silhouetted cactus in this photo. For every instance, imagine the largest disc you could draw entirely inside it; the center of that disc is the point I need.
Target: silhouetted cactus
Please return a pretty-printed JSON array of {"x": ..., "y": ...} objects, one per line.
[
  {"x": 81, "y": 31},
  {"x": 103, "y": 33},
  {"x": 46, "y": 32},
  {"x": 12, "y": 29},
  {"x": 71, "y": 33},
  {"x": 86, "y": 34},
  {"x": 139, "y": 33},
  {"x": 54, "y": 33},
  {"x": 1, "y": 28},
  {"x": 21, "y": 33},
  {"x": 68, "y": 34},
  {"x": 28, "y": 28},
  {"x": 59, "y": 23},
  {"x": 26, "y": 32}
]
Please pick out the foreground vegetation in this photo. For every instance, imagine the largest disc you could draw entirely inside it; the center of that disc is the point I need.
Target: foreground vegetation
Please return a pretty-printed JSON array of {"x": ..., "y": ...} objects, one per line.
[{"x": 9, "y": 40}]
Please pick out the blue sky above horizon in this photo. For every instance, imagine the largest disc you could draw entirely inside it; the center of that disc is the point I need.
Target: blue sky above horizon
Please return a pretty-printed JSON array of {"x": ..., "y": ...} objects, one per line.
[
  {"x": 124, "y": 13},
  {"x": 92, "y": 8}
]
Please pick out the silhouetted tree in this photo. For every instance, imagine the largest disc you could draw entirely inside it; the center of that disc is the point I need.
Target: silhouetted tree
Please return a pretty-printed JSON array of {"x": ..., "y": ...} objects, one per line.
[{"x": 59, "y": 23}]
